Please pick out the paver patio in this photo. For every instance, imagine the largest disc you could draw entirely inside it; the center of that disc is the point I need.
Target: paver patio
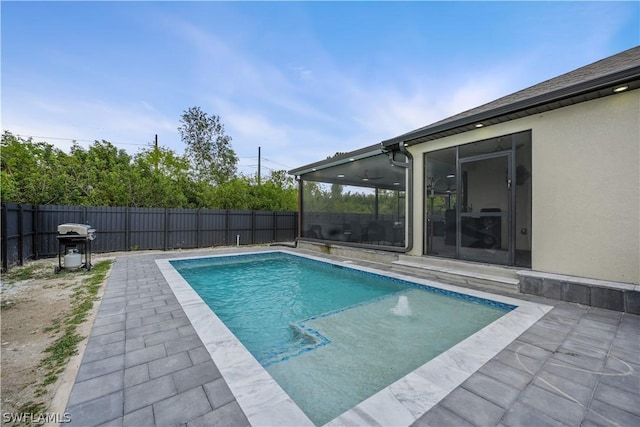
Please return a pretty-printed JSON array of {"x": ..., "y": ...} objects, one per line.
[{"x": 145, "y": 365}]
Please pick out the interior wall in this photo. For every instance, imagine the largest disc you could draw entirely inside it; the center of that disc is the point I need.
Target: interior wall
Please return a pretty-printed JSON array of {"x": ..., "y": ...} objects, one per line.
[
  {"x": 487, "y": 189},
  {"x": 585, "y": 186}
]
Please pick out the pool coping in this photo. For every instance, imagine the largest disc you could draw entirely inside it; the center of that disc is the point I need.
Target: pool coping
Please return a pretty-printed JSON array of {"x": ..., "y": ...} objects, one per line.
[{"x": 264, "y": 402}]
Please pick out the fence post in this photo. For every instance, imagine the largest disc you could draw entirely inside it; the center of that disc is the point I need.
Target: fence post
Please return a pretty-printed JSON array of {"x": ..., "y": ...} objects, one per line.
[
  {"x": 127, "y": 229},
  {"x": 34, "y": 234},
  {"x": 253, "y": 227},
  {"x": 5, "y": 245},
  {"x": 20, "y": 235},
  {"x": 227, "y": 229},
  {"x": 275, "y": 226},
  {"x": 166, "y": 228},
  {"x": 198, "y": 227}
]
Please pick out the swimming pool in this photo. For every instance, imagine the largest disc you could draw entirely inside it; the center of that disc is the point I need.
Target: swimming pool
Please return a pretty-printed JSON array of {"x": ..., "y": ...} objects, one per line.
[
  {"x": 379, "y": 313},
  {"x": 332, "y": 336}
]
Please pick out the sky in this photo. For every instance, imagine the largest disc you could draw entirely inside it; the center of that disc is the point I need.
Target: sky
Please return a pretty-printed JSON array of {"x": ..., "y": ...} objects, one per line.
[{"x": 301, "y": 80}]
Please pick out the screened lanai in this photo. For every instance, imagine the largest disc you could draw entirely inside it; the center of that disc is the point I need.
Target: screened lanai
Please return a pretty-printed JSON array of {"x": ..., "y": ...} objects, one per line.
[{"x": 356, "y": 198}]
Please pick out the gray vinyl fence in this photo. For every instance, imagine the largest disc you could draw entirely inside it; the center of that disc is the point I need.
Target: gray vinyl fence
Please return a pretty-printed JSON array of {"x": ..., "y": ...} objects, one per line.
[{"x": 29, "y": 231}]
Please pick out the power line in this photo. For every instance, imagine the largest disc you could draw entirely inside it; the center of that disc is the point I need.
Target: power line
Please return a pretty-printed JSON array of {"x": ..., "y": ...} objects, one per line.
[
  {"x": 268, "y": 160},
  {"x": 256, "y": 166},
  {"x": 277, "y": 163}
]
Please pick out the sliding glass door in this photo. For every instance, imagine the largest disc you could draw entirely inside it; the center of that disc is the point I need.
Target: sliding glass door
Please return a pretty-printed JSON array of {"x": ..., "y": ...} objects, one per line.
[
  {"x": 484, "y": 208},
  {"x": 441, "y": 197},
  {"x": 477, "y": 201}
]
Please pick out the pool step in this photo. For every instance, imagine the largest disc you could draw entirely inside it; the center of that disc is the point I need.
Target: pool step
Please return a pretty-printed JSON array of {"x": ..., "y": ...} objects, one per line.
[
  {"x": 490, "y": 278},
  {"x": 304, "y": 339}
]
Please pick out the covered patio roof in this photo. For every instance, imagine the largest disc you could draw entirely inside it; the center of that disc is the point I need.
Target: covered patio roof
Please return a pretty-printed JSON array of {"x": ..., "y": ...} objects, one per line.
[{"x": 370, "y": 167}]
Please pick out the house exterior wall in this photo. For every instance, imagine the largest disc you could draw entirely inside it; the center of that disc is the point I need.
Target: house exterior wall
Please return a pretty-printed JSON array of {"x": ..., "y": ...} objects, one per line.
[{"x": 586, "y": 186}]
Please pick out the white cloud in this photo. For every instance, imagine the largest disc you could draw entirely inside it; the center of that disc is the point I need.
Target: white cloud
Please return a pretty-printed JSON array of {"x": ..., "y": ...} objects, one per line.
[
  {"x": 318, "y": 110},
  {"x": 381, "y": 113},
  {"x": 256, "y": 128},
  {"x": 129, "y": 126},
  {"x": 473, "y": 91},
  {"x": 303, "y": 73},
  {"x": 384, "y": 115}
]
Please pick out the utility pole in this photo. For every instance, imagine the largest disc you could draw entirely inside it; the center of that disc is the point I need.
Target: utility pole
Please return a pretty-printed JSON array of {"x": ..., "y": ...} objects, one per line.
[
  {"x": 155, "y": 145},
  {"x": 258, "y": 165}
]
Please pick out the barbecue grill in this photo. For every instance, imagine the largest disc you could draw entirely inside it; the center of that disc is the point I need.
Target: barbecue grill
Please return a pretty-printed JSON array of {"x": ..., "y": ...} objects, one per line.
[{"x": 70, "y": 237}]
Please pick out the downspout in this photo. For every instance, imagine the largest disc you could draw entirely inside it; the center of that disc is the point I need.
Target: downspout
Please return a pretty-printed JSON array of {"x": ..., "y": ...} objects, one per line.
[
  {"x": 408, "y": 192},
  {"x": 300, "y": 205}
]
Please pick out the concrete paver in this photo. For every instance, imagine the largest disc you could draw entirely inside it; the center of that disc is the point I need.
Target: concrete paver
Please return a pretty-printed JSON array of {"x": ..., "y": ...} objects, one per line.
[
  {"x": 141, "y": 417},
  {"x": 506, "y": 374},
  {"x": 100, "y": 367},
  {"x": 218, "y": 393},
  {"x": 229, "y": 415},
  {"x": 601, "y": 413},
  {"x": 472, "y": 407},
  {"x": 196, "y": 375},
  {"x": 145, "y": 365},
  {"x": 97, "y": 411},
  {"x": 494, "y": 391},
  {"x": 136, "y": 375},
  {"x": 169, "y": 364},
  {"x": 522, "y": 415},
  {"x": 148, "y": 393},
  {"x": 98, "y": 386},
  {"x": 564, "y": 387},
  {"x": 618, "y": 398},
  {"x": 441, "y": 417},
  {"x": 554, "y": 405},
  {"x": 189, "y": 405}
]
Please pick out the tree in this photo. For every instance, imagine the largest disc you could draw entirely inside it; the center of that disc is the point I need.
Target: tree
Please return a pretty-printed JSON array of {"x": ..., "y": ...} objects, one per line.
[
  {"x": 207, "y": 146},
  {"x": 103, "y": 175},
  {"x": 31, "y": 171},
  {"x": 277, "y": 193},
  {"x": 162, "y": 179}
]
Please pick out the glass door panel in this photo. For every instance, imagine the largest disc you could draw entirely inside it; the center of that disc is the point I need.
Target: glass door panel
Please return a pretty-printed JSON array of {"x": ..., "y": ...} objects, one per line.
[
  {"x": 440, "y": 203},
  {"x": 441, "y": 224},
  {"x": 484, "y": 209}
]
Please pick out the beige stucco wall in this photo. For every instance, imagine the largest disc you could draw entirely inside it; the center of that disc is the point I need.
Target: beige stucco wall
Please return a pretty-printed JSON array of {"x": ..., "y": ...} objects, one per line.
[{"x": 586, "y": 186}]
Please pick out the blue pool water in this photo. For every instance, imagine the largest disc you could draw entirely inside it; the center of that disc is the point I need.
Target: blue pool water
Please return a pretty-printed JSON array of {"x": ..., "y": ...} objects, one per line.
[{"x": 332, "y": 336}]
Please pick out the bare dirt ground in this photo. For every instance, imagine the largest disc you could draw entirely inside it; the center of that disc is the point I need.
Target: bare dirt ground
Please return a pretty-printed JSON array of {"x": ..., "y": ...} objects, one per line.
[{"x": 36, "y": 305}]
